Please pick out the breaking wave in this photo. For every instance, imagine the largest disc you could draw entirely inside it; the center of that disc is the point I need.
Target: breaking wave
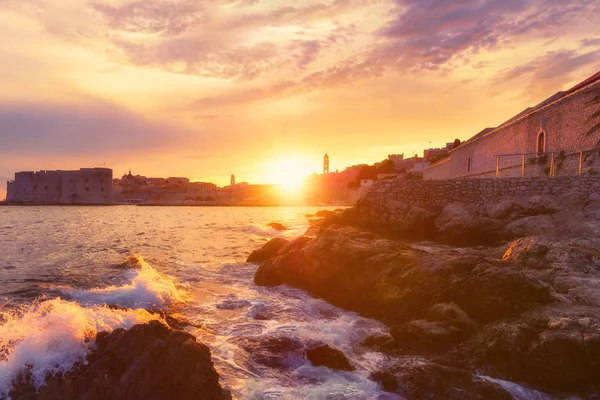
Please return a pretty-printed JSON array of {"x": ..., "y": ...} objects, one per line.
[
  {"x": 147, "y": 288},
  {"x": 52, "y": 336}
]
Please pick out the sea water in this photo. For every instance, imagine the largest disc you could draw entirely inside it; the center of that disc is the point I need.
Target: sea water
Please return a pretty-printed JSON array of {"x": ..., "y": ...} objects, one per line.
[{"x": 61, "y": 267}]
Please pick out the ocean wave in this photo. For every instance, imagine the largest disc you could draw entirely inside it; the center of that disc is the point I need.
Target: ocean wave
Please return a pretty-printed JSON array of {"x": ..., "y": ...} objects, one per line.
[
  {"x": 52, "y": 336},
  {"x": 147, "y": 288}
]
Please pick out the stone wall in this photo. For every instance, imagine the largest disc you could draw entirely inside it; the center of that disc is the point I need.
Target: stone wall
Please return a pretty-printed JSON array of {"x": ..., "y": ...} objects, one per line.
[
  {"x": 564, "y": 122},
  {"x": 483, "y": 191},
  {"x": 84, "y": 186}
]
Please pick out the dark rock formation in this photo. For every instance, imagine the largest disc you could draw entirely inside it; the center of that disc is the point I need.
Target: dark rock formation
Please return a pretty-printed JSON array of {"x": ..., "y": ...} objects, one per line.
[
  {"x": 324, "y": 213},
  {"x": 267, "y": 251},
  {"x": 419, "y": 378},
  {"x": 532, "y": 315},
  {"x": 272, "y": 352},
  {"x": 277, "y": 226},
  {"x": 460, "y": 223},
  {"x": 396, "y": 283},
  {"x": 329, "y": 357},
  {"x": 147, "y": 361}
]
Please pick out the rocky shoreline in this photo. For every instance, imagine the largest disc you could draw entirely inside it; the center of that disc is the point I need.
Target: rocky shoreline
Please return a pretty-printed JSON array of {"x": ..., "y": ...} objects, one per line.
[
  {"x": 149, "y": 361},
  {"x": 520, "y": 302}
]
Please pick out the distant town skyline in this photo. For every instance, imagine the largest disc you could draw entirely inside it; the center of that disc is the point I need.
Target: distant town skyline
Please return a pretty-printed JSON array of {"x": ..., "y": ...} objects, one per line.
[{"x": 263, "y": 89}]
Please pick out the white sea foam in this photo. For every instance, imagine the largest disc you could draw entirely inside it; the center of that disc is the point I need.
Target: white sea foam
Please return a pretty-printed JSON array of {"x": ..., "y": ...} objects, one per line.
[
  {"x": 520, "y": 392},
  {"x": 147, "y": 288},
  {"x": 52, "y": 336}
]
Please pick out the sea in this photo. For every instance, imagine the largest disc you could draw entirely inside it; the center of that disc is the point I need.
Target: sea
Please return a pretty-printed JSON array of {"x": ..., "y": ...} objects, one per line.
[{"x": 62, "y": 267}]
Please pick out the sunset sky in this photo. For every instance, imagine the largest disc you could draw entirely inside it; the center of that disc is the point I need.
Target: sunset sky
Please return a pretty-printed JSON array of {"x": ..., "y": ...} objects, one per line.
[{"x": 210, "y": 88}]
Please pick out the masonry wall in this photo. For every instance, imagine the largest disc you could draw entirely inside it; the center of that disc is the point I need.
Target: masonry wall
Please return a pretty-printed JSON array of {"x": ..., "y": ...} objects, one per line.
[
  {"x": 564, "y": 122},
  {"x": 85, "y": 186},
  {"x": 482, "y": 191}
]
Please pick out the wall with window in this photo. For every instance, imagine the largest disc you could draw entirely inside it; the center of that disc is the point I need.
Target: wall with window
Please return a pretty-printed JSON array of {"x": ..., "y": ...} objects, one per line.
[{"x": 559, "y": 126}]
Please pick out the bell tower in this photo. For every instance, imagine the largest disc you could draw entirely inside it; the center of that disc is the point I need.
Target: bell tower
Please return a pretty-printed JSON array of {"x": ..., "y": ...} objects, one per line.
[
  {"x": 232, "y": 180},
  {"x": 326, "y": 164}
]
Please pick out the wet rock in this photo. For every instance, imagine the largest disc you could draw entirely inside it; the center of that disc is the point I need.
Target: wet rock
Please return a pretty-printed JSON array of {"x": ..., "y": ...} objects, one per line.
[
  {"x": 147, "y": 361},
  {"x": 272, "y": 352},
  {"x": 324, "y": 213},
  {"x": 418, "y": 378},
  {"x": 380, "y": 342},
  {"x": 267, "y": 251},
  {"x": 528, "y": 250},
  {"x": 329, "y": 357},
  {"x": 426, "y": 336},
  {"x": 558, "y": 360},
  {"x": 554, "y": 350},
  {"x": 295, "y": 244},
  {"x": 277, "y": 226}
]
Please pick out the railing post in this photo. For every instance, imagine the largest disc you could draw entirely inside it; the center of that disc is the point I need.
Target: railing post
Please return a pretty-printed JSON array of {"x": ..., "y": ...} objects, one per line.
[
  {"x": 552, "y": 165},
  {"x": 497, "y": 166},
  {"x": 580, "y": 171},
  {"x": 523, "y": 166}
]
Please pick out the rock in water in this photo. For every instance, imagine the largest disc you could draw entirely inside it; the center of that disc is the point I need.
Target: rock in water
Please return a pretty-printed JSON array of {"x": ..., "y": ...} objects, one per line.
[
  {"x": 324, "y": 213},
  {"x": 267, "y": 251},
  {"x": 277, "y": 226},
  {"x": 147, "y": 362},
  {"x": 329, "y": 357}
]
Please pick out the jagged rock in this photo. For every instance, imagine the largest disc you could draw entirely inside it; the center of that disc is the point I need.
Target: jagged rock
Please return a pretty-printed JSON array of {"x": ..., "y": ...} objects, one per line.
[
  {"x": 461, "y": 224},
  {"x": 418, "y": 378},
  {"x": 268, "y": 250},
  {"x": 396, "y": 283},
  {"x": 324, "y": 213},
  {"x": 147, "y": 361},
  {"x": 272, "y": 352},
  {"x": 329, "y": 357},
  {"x": 550, "y": 349},
  {"x": 530, "y": 226},
  {"x": 426, "y": 336},
  {"x": 277, "y": 226},
  {"x": 528, "y": 250}
]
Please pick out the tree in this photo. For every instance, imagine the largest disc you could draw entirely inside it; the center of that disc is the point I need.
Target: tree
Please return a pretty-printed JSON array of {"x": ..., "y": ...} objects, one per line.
[
  {"x": 456, "y": 143},
  {"x": 595, "y": 117},
  {"x": 387, "y": 166}
]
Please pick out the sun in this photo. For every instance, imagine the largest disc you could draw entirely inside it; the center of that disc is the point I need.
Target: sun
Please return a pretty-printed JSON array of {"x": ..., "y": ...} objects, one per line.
[{"x": 289, "y": 173}]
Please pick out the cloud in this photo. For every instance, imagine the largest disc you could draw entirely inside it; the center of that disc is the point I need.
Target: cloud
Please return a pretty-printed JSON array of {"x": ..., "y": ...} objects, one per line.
[
  {"x": 429, "y": 34},
  {"x": 85, "y": 128},
  {"x": 152, "y": 16},
  {"x": 549, "y": 71}
]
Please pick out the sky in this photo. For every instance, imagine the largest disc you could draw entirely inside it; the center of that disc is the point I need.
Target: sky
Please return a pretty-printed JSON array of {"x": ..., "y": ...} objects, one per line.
[{"x": 264, "y": 88}]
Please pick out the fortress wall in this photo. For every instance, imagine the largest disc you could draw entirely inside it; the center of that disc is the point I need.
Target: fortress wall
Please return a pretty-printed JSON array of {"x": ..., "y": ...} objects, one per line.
[
  {"x": 564, "y": 122},
  {"x": 85, "y": 186}
]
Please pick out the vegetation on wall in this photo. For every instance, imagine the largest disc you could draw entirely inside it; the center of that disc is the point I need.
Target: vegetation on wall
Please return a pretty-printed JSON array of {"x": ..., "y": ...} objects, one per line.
[{"x": 595, "y": 117}]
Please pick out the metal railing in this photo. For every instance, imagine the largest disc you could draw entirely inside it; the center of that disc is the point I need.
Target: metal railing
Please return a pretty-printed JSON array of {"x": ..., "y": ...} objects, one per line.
[{"x": 539, "y": 156}]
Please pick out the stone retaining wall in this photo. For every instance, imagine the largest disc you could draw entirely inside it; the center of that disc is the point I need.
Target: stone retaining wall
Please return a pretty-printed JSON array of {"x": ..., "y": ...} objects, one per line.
[{"x": 483, "y": 191}]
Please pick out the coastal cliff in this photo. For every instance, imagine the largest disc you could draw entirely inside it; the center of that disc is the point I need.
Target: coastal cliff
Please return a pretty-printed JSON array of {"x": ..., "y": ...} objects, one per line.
[{"x": 517, "y": 302}]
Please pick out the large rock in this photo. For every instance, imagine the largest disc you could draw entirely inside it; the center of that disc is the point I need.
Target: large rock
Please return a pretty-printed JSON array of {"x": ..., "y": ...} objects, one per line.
[
  {"x": 146, "y": 362},
  {"x": 462, "y": 224},
  {"x": 397, "y": 283},
  {"x": 418, "y": 378},
  {"x": 273, "y": 352},
  {"x": 555, "y": 350},
  {"x": 267, "y": 251},
  {"x": 329, "y": 357}
]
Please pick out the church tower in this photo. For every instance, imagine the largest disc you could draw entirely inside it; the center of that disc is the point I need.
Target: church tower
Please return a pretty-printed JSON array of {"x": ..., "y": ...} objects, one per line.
[
  {"x": 326, "y": 164},
  {"x": 232, "y": 180}
]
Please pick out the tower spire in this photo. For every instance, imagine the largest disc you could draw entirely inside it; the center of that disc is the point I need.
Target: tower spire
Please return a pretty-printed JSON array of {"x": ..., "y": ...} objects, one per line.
[{"x": 326, "y": 164}]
